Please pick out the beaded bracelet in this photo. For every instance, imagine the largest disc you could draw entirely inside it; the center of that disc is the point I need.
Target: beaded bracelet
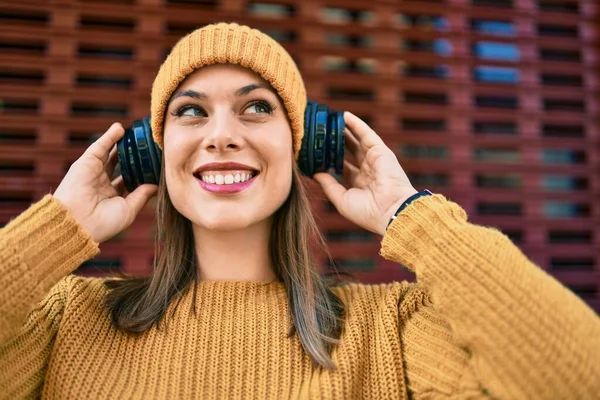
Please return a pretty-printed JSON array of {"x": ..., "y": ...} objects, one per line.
[{"x": 412, "y": 198}]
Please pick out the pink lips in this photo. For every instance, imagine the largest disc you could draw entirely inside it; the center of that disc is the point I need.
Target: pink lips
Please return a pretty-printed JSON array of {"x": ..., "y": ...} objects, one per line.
[{"x": 226, "y": 189}]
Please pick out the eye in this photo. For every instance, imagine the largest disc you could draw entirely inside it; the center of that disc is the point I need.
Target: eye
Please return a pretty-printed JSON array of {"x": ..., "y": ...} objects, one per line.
[
  {"x": 190, "y": 111},
  {"x": 259, "y": 107}
]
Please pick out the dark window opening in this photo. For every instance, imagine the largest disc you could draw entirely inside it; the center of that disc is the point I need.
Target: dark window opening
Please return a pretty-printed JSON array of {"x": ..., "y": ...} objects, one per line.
[
  {"x": 557, "y": 30},
  {"x": 570, "y": 237},
  {"x": 210, "y": 4},
  {"x": 16, "y": 136},
  {"x": 495, "y": 128},
  {"x": 19, "y": 106},
  {"x": 438, "y": 125},
  {"x": 562, "y": 80},
  {"x": 498, "y": 181},
  {"x": 99, "y": 265},
  {"x": 110, "y": 23},
  {"x": 429, "y": 179},
  {"x": 350, "y": 94},
  {"x": 563, "y": 105},
  {"x": 425, "y": 98},
  {"x": 14, "y": 169},
  {"x": 422, "y": 71},
  {"x": 181, "y": 28},
  {"x": 586, "y": 291},
  {"x": 353, "y": 264},
  {"x": 119, "y": 53},
  {"x": 572, "y": 264},
  {"x": 30, "y": 48},
  {"x": 493, "y": 3},
  {"x": 349, "y": 236},
  {"x": 24, "y": 17},
  {"x": 81, "y": 109},
  {"x": 509, "y": 102},
  {"x": 502, "y": 209},
  {"x": 560, "y": 55},
  {"x": 431, "y": 152},
  {"x": 104, "y": 81},
  {"x": 22, "y": 77},
  {"x": 569, "y": 7},
  {"x": 572, "y": 131}
]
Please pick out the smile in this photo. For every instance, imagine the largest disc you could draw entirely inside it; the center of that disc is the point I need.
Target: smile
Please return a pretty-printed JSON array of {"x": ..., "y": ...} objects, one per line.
[{"x": 225, "y": 182}]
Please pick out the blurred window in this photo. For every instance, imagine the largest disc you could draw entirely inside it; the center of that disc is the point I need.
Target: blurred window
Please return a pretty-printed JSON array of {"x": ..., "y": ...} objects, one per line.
[
  {"x": 487, "y": 101},
  {"x": 496, "y": 128},
  {"x": 335, "y": 15},
  {"x": 499, "y": 181},
  {"x": 271, "y": 10},
  {"x": 497, "y": 51},
  {"x": 558, "y": 30},
  {"x": 496, "y": 155},
  {"x": 496, "y": 28},
  {"x": 563, "y": 183},
  {"x": 565, "y": 209},
  {"x": 415, "y": 151},
  {"x": 563, "y": 156},
  {"x": 560, "y": 55},
  {"x": 505, "y": 209},
  {"x": 485, "y": 73},
  {"x": 429, "y": 179}
]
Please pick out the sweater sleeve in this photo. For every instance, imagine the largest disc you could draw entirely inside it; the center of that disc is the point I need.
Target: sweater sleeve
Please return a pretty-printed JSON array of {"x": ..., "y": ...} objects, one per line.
[
  {"x": 522, "y": 333},
  {"x": 38, "y": 249}
]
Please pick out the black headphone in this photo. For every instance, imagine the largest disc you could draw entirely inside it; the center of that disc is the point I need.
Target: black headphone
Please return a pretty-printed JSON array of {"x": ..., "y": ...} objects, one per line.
[{"x": 322, "y": 147}]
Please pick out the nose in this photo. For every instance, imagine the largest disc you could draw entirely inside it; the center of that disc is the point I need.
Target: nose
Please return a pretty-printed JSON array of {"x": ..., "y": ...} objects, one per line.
[{"x": 221, "y": 133}]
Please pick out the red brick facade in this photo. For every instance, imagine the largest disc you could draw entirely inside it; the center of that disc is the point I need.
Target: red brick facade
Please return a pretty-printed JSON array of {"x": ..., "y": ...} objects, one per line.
[{"x": 493, "y": 103}]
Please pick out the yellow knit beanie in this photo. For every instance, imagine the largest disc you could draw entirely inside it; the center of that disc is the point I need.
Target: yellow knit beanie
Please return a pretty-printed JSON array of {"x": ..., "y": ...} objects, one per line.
[{"x": 231, "y": 43}]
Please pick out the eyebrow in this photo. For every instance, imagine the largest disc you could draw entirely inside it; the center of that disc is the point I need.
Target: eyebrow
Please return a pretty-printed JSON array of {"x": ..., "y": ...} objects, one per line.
[{"x": 243, "y": 91}]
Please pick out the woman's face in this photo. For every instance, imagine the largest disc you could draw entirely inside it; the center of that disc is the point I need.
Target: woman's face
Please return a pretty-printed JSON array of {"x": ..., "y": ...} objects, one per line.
[{"x": 227, "y": 149}]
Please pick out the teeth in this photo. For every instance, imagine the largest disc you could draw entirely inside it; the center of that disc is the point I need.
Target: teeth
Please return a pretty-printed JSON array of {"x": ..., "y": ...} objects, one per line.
[{"x": 227, "y": 179}]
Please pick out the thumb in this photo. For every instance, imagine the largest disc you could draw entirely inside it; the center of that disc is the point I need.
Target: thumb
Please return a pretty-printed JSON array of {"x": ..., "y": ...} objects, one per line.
[
  {"x": 332, "y": 188},
  {"x": 137, "y": 199}
]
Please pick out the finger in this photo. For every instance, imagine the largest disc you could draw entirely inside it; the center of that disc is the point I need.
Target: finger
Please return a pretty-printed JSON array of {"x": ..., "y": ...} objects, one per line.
[
  {"x": 140, "y": 196},
  {"x": 363, "y": 132},
  {"x": 332, "y": 188},
  {"x": 102, "y": 147},
  {"x": 110, "y": 165},
  {"x": 119, "y": 185},
  {"x": 354, "y": 146},
  {"x": 350, "y": 173}
]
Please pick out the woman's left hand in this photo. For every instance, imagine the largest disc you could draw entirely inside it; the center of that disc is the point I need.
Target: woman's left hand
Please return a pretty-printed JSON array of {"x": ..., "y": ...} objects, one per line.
[{"x": 377, "y": 185}]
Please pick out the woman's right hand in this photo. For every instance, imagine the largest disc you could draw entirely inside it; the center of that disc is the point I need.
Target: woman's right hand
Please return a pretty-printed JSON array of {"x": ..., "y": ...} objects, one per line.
[{"x": 95, "y": 202}]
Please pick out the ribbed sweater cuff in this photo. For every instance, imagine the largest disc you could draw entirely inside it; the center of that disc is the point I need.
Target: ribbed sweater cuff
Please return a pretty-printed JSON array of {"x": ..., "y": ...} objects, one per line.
[
  {"x": 416, "y": 229},
  {"x": 40, "y": 246}
]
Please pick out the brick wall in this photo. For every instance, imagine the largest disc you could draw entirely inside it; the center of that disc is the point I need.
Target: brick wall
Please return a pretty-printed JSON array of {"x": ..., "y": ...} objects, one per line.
[{"x": 492, "y": 102}]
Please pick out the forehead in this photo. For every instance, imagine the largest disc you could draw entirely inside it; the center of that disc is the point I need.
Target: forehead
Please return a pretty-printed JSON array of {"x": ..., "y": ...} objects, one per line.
[{"x": 222, "y": 76}]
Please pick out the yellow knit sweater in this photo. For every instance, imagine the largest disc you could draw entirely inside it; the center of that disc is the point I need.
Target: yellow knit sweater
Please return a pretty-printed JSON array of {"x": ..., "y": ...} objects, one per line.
[{"x": 482, "y": 322}]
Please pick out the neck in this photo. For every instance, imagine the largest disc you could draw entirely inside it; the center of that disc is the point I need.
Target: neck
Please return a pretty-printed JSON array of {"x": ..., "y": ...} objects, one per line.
[{"x": 240, "y": 255}]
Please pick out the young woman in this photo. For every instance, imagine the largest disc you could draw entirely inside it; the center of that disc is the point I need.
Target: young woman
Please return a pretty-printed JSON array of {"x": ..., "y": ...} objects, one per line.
[{"x": 234, "y": 307}]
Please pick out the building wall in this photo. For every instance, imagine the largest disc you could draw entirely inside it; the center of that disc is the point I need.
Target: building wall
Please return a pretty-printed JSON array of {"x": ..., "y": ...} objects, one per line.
[{"x": 491, "y": 102}]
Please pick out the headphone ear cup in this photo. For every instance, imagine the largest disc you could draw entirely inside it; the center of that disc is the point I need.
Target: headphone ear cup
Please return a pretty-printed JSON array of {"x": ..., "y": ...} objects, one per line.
[
  {"x": 139, "y": 156},
  {"x": 154, "y": 152},
  {"x": 305, "y": 156}
]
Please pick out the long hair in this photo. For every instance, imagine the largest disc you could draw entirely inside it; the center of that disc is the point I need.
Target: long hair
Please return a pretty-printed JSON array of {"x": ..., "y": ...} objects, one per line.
[{"x": 136, "y": 304}]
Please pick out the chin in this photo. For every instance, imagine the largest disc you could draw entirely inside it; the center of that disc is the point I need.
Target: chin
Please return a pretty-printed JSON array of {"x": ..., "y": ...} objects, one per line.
[{"x": 227, "y": 224}]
